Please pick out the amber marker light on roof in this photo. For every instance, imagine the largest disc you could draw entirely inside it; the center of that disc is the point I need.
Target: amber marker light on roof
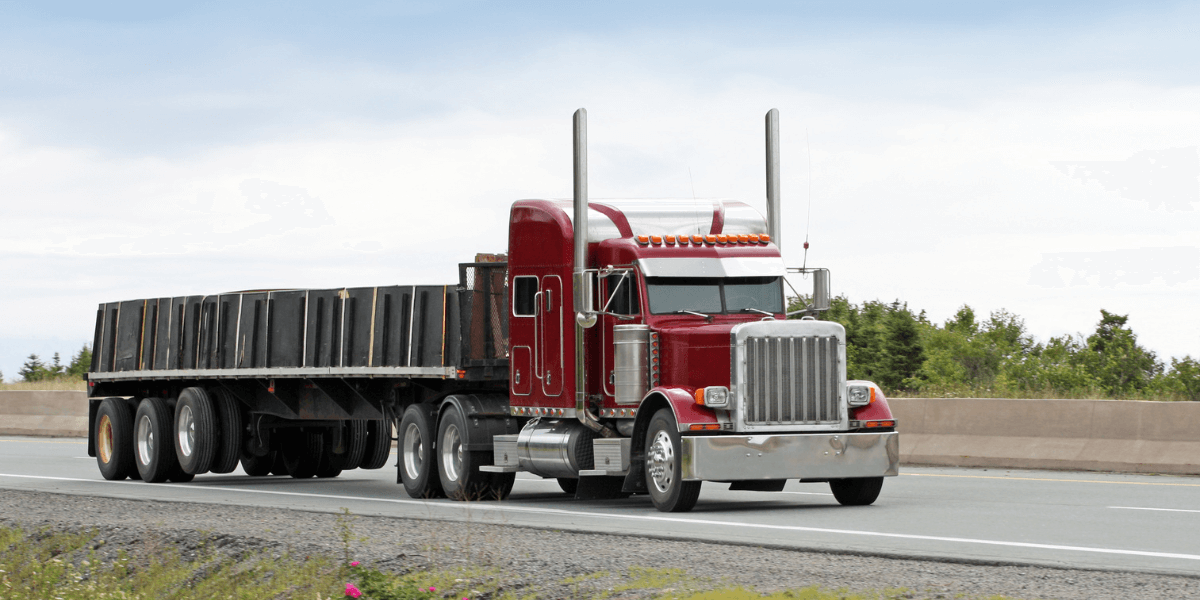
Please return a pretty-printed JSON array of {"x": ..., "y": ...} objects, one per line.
[
  {"x": 670, "y": 240},
  {"x": 656, "y": 240},
  {"x": 697, "y": 239},
  {"x": 743, "y": 239},
  {"x": 643, "y": 240},
  {"x": 753, "y": 238},
  {"x": 710, "y": 239},
  {"x": 764, "y": 238},
  {"x": 722, "y": 239}
]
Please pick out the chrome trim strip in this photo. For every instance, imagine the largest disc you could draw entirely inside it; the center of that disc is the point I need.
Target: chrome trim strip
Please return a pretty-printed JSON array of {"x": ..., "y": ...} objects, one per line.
[
  {"x": 278, "y": 372},
  {"x": 790, "y": 456}
]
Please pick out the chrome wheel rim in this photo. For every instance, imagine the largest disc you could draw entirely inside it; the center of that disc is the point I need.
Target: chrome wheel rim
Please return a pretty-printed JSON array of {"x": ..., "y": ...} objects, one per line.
[
  {"x": 414, "y": 452},
  {"x": 104, "y": 440},
  {"x": 661, "y": 461},
  {"x": 452, "y": 453},
  {"x": 145, "y": 440},
  {"x": 186, "y": 430}
]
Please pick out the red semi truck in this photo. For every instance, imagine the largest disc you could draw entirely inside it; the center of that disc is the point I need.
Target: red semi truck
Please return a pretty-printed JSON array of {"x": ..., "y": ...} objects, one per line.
[{"x": 620, "y": 347}]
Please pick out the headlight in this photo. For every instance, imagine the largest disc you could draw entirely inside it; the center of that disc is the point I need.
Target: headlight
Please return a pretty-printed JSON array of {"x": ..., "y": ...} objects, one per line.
[
  {"x": 860, "y": 395},
  {"x": 714, "y": 396}
]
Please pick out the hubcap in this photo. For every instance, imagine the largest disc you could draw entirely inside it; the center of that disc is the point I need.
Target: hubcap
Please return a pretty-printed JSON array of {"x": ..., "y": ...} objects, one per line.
[
  {"x": 661, "y": 461},
  {"x": 186, "y": 428},
  {"x": 414, "y": 452},
  {"x": 145, "y": 440},
  {"x": 105, "y": 441},
  {"x": 452, "y": 453}
]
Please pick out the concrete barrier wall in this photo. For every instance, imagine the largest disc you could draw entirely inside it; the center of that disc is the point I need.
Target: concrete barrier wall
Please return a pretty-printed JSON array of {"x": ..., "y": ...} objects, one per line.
[
  {"x": 1094, "y": 435},
  {"x": 1100, "y": 435},
  {"x": 47, "y": 413}
]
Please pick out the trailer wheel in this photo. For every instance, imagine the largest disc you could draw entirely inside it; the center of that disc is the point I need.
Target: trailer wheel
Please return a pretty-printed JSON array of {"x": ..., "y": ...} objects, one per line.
[
  {"x": 664, "y": 469},
  {"x": 331, "y": 464},
  {"x": 418, "y": 466},
  {"x": 154, "y": 453},
  {"x": 114, "y": 439},
  {"x": 279, "y": 467},
  {"x": 458, "y": 468},
  {"x": 258, "y": 466},
  {"x": 229, "y": 432},
  {"x": 568, "y": 484},
  {"x": 302, "y": 453},
  {"x": 379, "y": 444},
  {"x": 195, "y": 430},
  {"x": 860, "y": 491},
  {"x": 356, "y": 443}
]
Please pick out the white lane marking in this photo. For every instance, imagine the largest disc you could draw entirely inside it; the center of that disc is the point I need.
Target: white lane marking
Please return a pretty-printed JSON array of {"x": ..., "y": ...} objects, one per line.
[
  {"x": 570, "y": 513},
  {"x": 1162, "y": 509}
]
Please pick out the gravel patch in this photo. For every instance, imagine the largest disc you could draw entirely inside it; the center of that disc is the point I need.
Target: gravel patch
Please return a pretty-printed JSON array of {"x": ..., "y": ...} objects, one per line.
[{"x": 540, "y": 561}]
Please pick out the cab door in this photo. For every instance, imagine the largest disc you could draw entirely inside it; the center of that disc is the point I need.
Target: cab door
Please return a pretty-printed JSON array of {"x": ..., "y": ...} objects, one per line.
[{"x": 550, "y": 335}]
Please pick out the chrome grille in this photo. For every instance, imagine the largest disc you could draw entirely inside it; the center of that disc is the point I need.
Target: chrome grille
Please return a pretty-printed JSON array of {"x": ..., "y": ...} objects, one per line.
[{"x": 791, "y": 380}]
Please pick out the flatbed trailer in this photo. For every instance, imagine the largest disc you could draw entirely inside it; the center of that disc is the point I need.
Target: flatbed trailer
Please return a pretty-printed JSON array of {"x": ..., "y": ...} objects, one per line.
[{"x": 620, "y": 347}]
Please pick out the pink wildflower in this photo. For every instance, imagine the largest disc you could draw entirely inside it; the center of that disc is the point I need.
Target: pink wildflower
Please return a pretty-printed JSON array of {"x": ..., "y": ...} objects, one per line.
[
  {"x": 432, "y": 589},
  {"x": 352, "y": 591},
  {"x": 354, "y": 564}
]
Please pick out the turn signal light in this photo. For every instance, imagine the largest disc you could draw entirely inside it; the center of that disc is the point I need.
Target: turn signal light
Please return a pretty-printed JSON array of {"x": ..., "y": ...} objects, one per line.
[{"x": 870, "y": 424}]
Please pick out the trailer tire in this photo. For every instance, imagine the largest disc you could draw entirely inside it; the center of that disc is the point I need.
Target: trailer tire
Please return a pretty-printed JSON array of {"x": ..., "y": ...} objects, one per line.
[
  {"x": 302, "y": 453},
  {"x": 568, "y": 485},
  {"x": 258, "y": 466},
  {"x": 331, "y": 464},
  {"x": 664, "y": 469},
  {"x": 379, "y": 444},
  {"x": 458, "y": 468},
  {"x": 229, "y": 432},
  {"x": 418, "y": 463},
  {"x": 279, "y": 467},
  {"x": 195, "y": 430},
  {"x": 114, "y": 439},
  {"x": 154, "y": 452},
  {"x": 356, "y": 443},
  {"x": 859, "y": 491}
]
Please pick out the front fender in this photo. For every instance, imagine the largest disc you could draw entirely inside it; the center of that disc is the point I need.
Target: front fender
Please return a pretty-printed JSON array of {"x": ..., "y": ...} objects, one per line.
[
  {"x": 683, "y": 403},
  {"x": 875, "y": 411}
]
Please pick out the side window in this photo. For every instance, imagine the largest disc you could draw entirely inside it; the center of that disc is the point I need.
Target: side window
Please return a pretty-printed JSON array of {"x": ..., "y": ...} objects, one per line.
[
  {"x": 623, "y": 293},
  {"x": 525, "y": 288}
]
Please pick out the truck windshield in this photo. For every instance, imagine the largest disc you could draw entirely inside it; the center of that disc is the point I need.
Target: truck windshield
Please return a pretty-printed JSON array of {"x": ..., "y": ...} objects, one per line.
[{"x": 714, "y": 295}]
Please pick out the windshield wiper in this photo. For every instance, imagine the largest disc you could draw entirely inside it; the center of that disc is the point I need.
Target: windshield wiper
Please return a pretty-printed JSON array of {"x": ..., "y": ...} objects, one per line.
[
  {"x": 757, "y": 310},
  {"x": 683, "y": 311}
]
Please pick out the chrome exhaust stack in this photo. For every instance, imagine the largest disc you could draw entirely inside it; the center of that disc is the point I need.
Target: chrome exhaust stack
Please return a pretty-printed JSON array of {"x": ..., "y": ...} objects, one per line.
[
  {"x": 585, "y": 315},
  {"x": 774, "y": 218}
]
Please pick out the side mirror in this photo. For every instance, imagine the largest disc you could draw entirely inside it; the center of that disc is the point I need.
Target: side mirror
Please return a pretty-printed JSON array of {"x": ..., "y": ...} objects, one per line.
[{"x": 821, "y": 298}]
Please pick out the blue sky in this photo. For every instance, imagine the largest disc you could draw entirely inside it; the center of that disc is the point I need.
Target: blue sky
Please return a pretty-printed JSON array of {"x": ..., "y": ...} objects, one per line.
[{"x": 1040, "y": 159}]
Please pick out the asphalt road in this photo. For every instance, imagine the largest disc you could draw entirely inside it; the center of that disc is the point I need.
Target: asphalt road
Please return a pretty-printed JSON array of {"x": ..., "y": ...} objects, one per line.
[{"x": 1081, "y": 520}]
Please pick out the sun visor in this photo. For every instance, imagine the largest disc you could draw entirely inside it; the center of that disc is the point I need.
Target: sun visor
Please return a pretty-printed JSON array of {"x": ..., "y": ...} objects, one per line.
[{"x": 735, "y": 266}]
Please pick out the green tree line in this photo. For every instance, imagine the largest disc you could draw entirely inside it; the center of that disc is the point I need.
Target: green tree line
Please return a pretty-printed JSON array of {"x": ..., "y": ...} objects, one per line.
[
  {"x": 35, "y": 369},
  {"x": 907, "y": 354}
]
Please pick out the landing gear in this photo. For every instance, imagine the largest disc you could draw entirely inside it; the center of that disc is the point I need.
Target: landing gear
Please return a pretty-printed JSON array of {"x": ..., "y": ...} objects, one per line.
[{"x": 664, "y": 473}]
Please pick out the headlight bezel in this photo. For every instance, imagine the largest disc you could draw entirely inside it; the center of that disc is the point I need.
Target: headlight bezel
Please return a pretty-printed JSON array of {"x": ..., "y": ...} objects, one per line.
[{"x": 858, "y": 396}]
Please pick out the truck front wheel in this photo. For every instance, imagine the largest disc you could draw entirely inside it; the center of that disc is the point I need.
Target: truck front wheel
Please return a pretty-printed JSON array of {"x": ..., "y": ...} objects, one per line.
[
  {"x": 860, "y": 491},
  {"x": 418, "y": 468},
  {"x": 664, "y": 472}
]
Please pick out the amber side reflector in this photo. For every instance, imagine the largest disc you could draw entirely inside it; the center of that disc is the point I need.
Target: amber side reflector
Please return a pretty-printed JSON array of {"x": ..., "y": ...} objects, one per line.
[
  {"x": 462, "y": 373},
  {"x": 704, "y": 426},
  {"x": 643, "y": 239}
]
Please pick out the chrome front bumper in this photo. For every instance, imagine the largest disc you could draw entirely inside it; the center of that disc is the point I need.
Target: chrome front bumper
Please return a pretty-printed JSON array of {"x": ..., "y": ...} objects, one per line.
[{"x": 790, "y": 456}]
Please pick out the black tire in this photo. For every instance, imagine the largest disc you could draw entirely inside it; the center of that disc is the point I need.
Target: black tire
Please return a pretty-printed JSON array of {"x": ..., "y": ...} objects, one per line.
[
  {"x": 302, "y": 453},
  {"x": 356, "y": 443},
  {"x": 331, "y": 464},
  {"x": 568, "y": 484},
  {"x": 860, "y": 491},
  {"x": 180, "y": 476},
  {"x": 229, "y": 432},
  {"x": 258, "y": 466},
  {"x": 114, "y": 439},
  {"x": 280, "y": 467},
  {"x": 664, "y": 469},
  {"x": 418, "y": 465},
  {"x": 195, "y": 430},
  {"x": 153, "y": 449},
  {"x": 458, "y": 468},
  {"x": 379, "y": 444}
]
